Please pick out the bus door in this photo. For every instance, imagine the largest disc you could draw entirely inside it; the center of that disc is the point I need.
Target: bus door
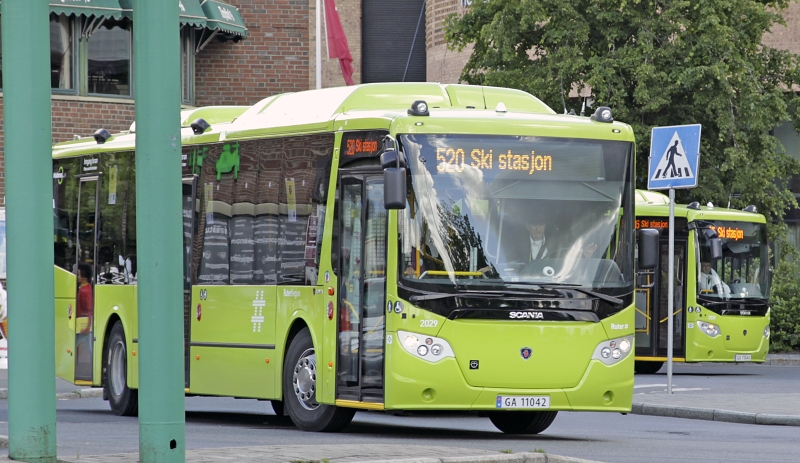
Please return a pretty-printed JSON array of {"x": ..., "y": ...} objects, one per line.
[
  {"x": 85, "y": 270},
  {"x": 189, "y": 223},
  {"x": 362, "y": 288},
  {"x": 652, "y": 313}
]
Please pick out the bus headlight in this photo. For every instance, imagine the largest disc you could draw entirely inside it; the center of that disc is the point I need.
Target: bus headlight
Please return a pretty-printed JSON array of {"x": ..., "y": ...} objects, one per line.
[
  {"x": 432, "y": 349},
  {"x": 766, "y": 331},
  {"x": 709, "y": 329},
  {"x": 613, "y": 350}
]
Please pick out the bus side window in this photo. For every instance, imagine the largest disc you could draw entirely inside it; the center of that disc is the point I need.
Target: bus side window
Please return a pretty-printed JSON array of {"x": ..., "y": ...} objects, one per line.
[
  {"x": 217, "y": 196},
  {"x": 65, "y": 206}
]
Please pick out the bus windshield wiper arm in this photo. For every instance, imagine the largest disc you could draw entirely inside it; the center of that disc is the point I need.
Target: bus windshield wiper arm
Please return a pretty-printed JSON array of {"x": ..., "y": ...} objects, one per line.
[
  {"x": 752, "y": 301},
  {"x": 580, "y": 289},
  {"x": 468, "y": 294}
]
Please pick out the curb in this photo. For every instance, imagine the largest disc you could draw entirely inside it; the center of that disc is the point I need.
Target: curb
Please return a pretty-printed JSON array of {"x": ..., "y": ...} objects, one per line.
[
  {"x": 527, "y": 457},
  {"x": 783, "y": 360},
  {"x": 710, "y": 414},
  {"x": 76, "y": 394}
]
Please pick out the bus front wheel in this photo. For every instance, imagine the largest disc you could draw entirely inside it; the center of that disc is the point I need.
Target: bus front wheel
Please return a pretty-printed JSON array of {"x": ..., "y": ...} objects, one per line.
[
  {"x": 124, "y": 401},
  {"x": 300, "y": 390},
  {"x": 522, "y": 422},
  {"x": 647, "y": 368}
]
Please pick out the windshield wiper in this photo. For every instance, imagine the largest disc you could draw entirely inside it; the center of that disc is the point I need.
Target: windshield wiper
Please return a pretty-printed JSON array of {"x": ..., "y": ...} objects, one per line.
[
  {"x": 578, "y": 288},
  {"x": 468, "y": 294},
  {"x": 751, "y": 301}
]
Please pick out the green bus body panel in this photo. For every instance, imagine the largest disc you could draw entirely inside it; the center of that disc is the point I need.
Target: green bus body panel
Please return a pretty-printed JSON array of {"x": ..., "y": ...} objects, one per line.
[
  {"x": 416, "y": 384},
  {"x": 702, "y": 348},
  {"x": 564, "y": 366},
  {"x": 699, "y": 346},
  {"x": 112, "y": 303},
  {"x": 303, "y": 305},
  {"x": 232, "y": 372},
  {"x": 65, "y": 291},
  {"x": 231, "y": 315}
]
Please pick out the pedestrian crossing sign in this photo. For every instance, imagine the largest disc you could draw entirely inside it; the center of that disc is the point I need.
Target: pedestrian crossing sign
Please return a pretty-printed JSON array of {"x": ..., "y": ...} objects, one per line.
[{"x": 674, "y": 157}]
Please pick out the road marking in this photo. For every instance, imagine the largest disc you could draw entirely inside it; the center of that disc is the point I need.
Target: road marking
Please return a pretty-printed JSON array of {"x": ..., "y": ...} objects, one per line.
[{"x": 649, "y": 385}]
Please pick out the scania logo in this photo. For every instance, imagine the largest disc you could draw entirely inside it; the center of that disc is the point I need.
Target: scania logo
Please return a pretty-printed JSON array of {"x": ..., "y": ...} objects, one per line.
[
  {"x": 526, "y": 353},
  {"x": 527, "y": 314}
]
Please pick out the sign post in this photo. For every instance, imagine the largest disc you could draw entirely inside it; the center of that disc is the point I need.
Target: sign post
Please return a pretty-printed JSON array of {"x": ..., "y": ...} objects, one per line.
[{"x": 674, "y": 162}]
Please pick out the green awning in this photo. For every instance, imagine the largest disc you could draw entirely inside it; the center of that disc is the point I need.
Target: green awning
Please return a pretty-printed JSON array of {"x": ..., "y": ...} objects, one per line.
[
  {"x": 191, "y": 13},
  {"x": 223, "y": 17},
  {"x": 96, "y": 8},
  {"x": 189, "y": 10}
]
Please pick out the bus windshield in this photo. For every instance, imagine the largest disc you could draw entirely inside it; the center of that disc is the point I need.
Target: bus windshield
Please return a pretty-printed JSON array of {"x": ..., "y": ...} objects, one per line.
[
  {"x": 742, "y": 272},
  {"x": 517, "y": 211}
]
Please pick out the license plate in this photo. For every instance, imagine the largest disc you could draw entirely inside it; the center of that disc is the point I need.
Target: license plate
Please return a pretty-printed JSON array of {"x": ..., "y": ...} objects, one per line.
[
  {"x": 742, "y": 357},
  {"x": 517, "y": 401}
]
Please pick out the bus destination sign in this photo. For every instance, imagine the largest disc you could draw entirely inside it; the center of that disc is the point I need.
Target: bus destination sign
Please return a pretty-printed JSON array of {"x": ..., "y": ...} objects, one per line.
[
  {"x": 452, "y": 160},
  {"x": 362, "y": 144}
]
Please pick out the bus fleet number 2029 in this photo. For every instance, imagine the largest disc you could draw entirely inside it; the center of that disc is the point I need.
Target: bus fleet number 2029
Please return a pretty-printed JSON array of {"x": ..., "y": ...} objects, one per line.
[{"x": 523, "y": 401}]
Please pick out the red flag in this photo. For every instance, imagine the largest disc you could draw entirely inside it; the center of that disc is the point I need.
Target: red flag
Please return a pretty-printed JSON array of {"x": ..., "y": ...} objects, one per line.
[{"x": 337, "y": 41}]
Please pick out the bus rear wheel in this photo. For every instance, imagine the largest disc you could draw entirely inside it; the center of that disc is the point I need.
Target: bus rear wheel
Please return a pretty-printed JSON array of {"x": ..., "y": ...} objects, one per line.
[
  {"x": 647, "y": 368},
  {"x": 522, "y": 422},
  {"x": 124, "y": 401},
  {"x": 300, "y": 390}
]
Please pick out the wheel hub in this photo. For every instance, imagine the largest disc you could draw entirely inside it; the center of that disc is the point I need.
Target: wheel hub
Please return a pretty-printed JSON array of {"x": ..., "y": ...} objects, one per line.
[
  {"x": 304, "y": 380},
  {"x": 117, "y": 373}
]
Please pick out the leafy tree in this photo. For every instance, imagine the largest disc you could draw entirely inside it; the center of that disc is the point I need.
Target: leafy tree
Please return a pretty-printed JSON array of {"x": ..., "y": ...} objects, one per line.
[
  {"x": 661, "y": 63},
  {"x": 785, "y": 299},
  {"x": 655, "y": 63}
]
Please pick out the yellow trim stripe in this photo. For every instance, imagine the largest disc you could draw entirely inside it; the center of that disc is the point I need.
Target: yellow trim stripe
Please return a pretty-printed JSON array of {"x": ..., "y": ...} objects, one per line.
[
  {"x": 659, "y": 359},
  {"x": 362, "y": 405},
  {"x": 83, "y": 382}
]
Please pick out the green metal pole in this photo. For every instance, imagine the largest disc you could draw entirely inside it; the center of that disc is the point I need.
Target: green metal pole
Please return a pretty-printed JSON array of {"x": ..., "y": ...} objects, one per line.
[
  {"x": 156, "y": 52},
  {"x": 29, "y": 208}
]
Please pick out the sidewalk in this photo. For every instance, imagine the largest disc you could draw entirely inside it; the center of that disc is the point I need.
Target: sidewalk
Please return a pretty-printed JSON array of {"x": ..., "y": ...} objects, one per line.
[
  {"x": 756, "y": 408},
  {"x": 361, "y": 453}
]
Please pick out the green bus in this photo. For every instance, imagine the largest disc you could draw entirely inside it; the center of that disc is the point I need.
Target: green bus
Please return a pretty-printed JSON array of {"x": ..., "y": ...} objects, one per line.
[
  {"x": 369, "y": 248},
  {"x": 721, "y": 297}
]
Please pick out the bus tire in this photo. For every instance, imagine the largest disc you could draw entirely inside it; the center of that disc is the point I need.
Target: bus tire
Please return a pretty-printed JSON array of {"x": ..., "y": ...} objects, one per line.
[
  {"x": 123, "y": 400},
  {"x": 522, "y": 422},
  {"x": 299, "y": 390},
  {"x": 647, "y": 368}
]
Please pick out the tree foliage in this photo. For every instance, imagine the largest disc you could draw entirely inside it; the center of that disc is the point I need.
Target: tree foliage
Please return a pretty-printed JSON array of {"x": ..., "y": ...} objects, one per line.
[
  {"x": 655, "y": 63},
  {"x": 785, "y": 300}
]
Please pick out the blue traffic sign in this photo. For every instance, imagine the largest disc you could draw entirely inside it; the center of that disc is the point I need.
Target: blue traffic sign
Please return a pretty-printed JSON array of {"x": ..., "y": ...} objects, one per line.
[{"x": 674, "y": 157}]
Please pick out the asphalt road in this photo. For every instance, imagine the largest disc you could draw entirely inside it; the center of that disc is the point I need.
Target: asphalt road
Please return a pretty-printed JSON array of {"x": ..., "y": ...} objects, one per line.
[{"x": 85, "y": 426}]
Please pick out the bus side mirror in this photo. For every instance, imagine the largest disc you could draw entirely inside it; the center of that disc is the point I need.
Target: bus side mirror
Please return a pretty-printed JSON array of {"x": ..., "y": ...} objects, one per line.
[
  {"x": 648, "y": 248},
  {"x": 394, "y": 188},
  {"x": 715, "y": 248}
]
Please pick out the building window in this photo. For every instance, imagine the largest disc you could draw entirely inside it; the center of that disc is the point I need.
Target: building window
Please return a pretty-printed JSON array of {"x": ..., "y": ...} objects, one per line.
[
  {"x": 62, "y": 53},
  {"x": 109, "y": 60},
  {"x": 187, "y": 65},
  {"x": 94, "y": 56}
]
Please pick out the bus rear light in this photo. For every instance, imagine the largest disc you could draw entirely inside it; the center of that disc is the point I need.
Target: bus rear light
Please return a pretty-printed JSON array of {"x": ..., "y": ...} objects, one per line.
[
  {"x": 330, "y": 310},
  {"x": 432, "y": 349},
  {"x": 612, "y": 351}
]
